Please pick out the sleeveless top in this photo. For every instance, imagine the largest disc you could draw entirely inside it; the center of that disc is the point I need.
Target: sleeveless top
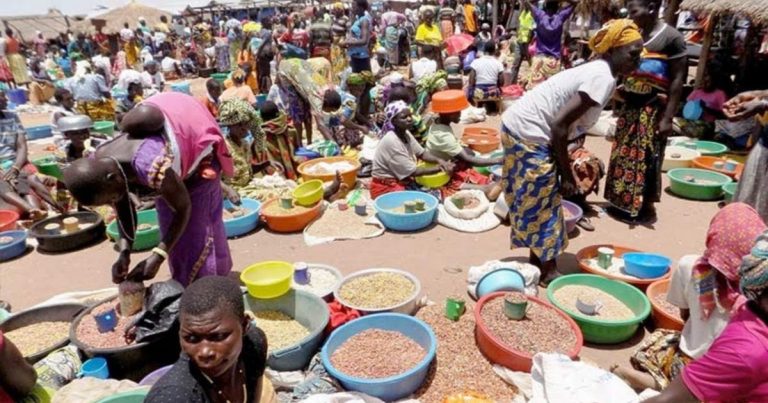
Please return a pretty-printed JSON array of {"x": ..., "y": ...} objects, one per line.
[{"x": 360, "y": 52}]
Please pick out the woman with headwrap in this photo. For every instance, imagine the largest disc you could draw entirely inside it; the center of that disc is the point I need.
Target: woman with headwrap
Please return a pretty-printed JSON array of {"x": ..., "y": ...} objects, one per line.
[
  {"x": 279, "y": 134},
  {"x": 239, "y": 89},
  {"x": 91, "y": 93},
  {"x": 735, "y": 367},
  {"x": 391, "y": 21},
  {"x": 360, "y": 85},
  {"x": 238, "y": 119},
  {"x": 706, "y": 289},
  {"x": 397, "y": 155},
  {"x": 302, "y": 87},
  {"x": 536, "y": 133}
]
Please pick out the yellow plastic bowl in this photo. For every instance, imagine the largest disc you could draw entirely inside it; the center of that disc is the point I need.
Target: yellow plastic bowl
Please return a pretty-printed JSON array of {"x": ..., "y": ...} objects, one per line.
[
  {"x": 267, "y": 280},
  {"x": 309, "y": 193},
  {"x": 432, "y": 181}
]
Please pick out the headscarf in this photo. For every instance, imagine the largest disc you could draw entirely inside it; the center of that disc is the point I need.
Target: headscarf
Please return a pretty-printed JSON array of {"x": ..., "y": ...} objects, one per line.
[
  {"x": 236, "y": 111},
  {"x": 365, "y": 77},
  {"x": 238, "y": 75},
  {"x": 390, "y": 111},
  {"x": 730, "y": 237},
  {"x": 754, "y": 269},
  {"x": 613, "y": 34}
]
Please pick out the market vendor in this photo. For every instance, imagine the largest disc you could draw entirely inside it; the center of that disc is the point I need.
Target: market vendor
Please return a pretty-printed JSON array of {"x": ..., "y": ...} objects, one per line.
[
  {"x": 279, "y": 134},
  {"x": 735, "y": 367},
  {"x": 337, "y": 122},
  {"x": 706, "y": 289},
  {"x": 224, "y": 354},
  {"x": 76, "y": 131},
  {"x": 536, "y": 133},
  {"x": 395, "y": 161},
  {"x": 238, "y": 119},
  {"x": 174, "y": 147},
  {"x": 17, "y": 376},
  {"x": 443, "y": 144}
]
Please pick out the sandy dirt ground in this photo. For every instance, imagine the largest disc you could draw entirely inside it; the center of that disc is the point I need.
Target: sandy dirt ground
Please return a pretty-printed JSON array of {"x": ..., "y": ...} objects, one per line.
[{"x": 438, "y": 256}]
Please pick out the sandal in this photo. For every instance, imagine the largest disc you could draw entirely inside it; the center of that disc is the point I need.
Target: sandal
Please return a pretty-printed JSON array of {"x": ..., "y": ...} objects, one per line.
[{"x": 586, "y": 224}]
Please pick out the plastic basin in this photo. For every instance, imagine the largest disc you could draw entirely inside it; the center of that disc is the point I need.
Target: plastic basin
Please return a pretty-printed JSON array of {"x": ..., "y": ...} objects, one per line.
[
  {"x": 500, "y": 353},
  {"x": 155, "y": 376},
  {"x": 349, "y": 176},
  {"x": 308, "y": 193},
  {"x": 52, "y": 313},
  {"x": 401, "y": 221},
  {"x": 63, "y": 242},
  {"x": 394, "y": 387},
  {"x": 269, "y": 279},
  {"x": 104, "y": 127},
  {"x": 14, "y": 248},
  {"x": 678, "y": 157},
  {"x": 133, "y": 396},
  {"x": 328, "y": 296},
  {"x": 39, "y": 132},
  {"x": 449, "y": 101},
  {"x": 499, "y": 280},
  {"x": 407, "y": 307},
  {"x": 220, "y": 77},
  {"x": 729, "y": 190},
  {"x": 489, "y": 170},
  {"x": 662, "y": 319},
  {"x": 602, "y": 331},
  {"x": 708, "y": 163},
  {"x": 289, "y": 223},
  {"x": 712, "y": 190},
  {"x": 646, "y": 265},
  {"x": 8, "y": 219},
  {"x": 182, "y": 87},
  {"x": 48, "y": 165},
  {"x": 576, "y": 213},
  {"x": 432, "y": 181},
  {"x": 484, "y": 131},
  {"x": 17, "y": 95},
  {"x": 482, "y": 143},
  {"x": 710, "y": 148},
  {"x": 307, "y": 309},
  {"x": 245, "y": 224},
  {"x": 144, "y": 239},
  {"x": 590, "y": 252}
]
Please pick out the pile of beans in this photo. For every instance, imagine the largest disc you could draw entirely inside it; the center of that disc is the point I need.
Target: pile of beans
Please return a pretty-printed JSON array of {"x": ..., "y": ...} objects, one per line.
[
  {"x": 543, "y": 330},
  {"x": 88, "y": 332},
  {"x": 666, "y": 306},
  {"x": 39, "y": 336},
  {"x": 321, "y": 282},
  {"x": 376, "y": 353},
  {"x": 377, "y": 291},
  {"x": 281, "y": 330},
  {"x": 613, "y": 308},
  {"x": 459, "y": 366}
]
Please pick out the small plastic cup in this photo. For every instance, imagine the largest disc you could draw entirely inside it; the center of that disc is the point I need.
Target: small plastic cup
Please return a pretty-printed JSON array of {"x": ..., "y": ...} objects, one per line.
[
  {"x": 588, "y": 307},
  {"x": 361, "y": 208},
  {"x": 718, "y": 164},
  {"x": 454, "y": 308},
  {"x": 343, "y": 206},
  {"x": 410, "y": 207},
  {"x": 301, "y": 273},
  {"x": 94, "y": 368},
  {"x": 286, "y": 202},
  {"x": 106, "y": 321},
  {"x": 731, "y": 165},
  {"x": 515, "y": 310},
  {"x": 605, "y": 257}
]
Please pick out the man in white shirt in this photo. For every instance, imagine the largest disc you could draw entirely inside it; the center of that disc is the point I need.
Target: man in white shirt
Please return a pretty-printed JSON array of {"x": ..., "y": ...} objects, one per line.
[
  {"x": 424, "y": 66},
  {"x": 486, "y": 76}
]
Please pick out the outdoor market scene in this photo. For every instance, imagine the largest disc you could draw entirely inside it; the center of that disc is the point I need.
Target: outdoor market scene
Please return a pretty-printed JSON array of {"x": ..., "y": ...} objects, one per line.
[{"x": 363, "y": 201}]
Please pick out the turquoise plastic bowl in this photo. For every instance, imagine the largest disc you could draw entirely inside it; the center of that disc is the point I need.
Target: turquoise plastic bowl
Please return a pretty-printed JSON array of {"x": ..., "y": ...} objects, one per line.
[
  {"x": 729, "y": 190},
  {"x": 405, "y": 222},
  {"x": 710, "y": 148},
  {"x": 500, "y": 280},
  {"x": 245, "y": 224},
  {"x": 646, "y": 265},
  {"x": 395, "y": 387},
  {"x": 145, "y": 239},
  {"x": 695, "y": 190}
]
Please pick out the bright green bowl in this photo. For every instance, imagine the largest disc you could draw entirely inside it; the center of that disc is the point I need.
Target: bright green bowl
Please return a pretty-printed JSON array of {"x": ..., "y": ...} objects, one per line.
[
  {"x": 220, "y": 77},
  {"x": 710, "y": 148},
  {"x": 145, "y": 239},
  {"x": 729, "y": 190},
  {"x": 48, "y": 165},
  {"x": 696, "y": 190},
  {"x": 105, "y": 127},
  {"x": 487, "y": 170},
  {"x": 605, "y": 331}
]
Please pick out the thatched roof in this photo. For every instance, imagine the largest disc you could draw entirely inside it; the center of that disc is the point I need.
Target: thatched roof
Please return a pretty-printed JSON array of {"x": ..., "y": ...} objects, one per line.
[
  {"x": 756, "y": 10},
  {"x": 51, "y": 24},
  {"x": 114, "y": 19}
]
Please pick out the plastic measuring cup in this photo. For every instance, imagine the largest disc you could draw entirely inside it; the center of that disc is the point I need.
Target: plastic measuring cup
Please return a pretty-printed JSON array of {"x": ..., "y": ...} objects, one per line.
[{"x": 94, "y": 368}]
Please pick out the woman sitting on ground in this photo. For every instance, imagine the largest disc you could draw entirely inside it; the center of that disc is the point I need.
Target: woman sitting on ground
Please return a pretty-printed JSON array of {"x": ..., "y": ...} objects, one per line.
[
  {"x": 486, "y": 77},
  {"x": 238, "y": 119},
  {"x": 706, "y": 289},
  {"x": 41, "y": 89},
  {"x": 224, "y": 354},
  {"x": 395, "y": 161},
  {"x": 239, "y": 90},
  {"x": 735, "y": 367}
]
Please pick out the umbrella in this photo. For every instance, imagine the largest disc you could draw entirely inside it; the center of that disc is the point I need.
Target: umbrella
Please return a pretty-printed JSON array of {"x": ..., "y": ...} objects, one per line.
[{"x": 458, "y": 43}]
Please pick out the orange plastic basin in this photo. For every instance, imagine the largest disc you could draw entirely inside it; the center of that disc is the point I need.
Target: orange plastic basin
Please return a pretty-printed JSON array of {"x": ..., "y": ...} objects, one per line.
[
  {"x": 661, "y": 318},
  {"x": 484, "y": 131},
  {"x": 590, "y": 252},
  {"x": 8, "y": 220},
  {"x": 289, "y": 223},
  {"x": 449, "y": 101},
  {"x": 349, "y": 177},
  {"x": 482, "y": 143},
  {"x": 708, "y": 162}
]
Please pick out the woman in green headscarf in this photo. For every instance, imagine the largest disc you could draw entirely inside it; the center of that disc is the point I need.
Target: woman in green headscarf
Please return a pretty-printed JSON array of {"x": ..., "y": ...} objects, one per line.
[{"x": 238, "y": 119}]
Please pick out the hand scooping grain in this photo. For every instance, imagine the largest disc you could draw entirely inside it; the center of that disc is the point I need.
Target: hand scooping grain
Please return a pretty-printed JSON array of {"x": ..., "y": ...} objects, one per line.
[
  {"x": 377, "y": 291},
  {"x": 376, "y": 353}
]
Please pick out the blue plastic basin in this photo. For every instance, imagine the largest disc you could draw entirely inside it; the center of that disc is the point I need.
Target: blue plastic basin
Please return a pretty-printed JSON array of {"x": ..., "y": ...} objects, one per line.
[
  {"x": 18, "y": 96},
  {"x": 16, "y": 247},
  {"x": 401, "y": 221},
  {"x": 395, "y": 387},
  {"x": 39, "y": 132},
  {"x": 306, "y": 308},
  {"x": 500, "y": 280},
  {"x": 646, "y": 265},
  {"x": 182, "y": 87},
  {"x": 245, "y": 224}
]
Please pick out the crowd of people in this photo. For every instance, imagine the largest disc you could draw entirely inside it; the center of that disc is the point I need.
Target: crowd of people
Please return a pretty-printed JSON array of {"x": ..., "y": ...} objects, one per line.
[{"x": 364, "y": 80}]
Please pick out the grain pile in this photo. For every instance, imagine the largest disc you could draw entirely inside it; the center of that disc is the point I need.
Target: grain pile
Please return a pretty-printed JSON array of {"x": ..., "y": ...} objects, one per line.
[
  {"x": 88, "y": 332},
  {"x": 321, "y": 282},
  {"x": 543, "y": 330},
  {"x": 666, "y": 306},
  {"x": 275, "y": 210},
  {"x": 376, "y": 354},
  {"x": 377, "y": 291},
  {"x": 342, "y": 225},
  {"x": 281, "y": 330},
  {"x": 39, "y": 336},
  {"x": 234, "y": 212},
  {"x": 613, "y": 308},
  {"x": 459, "y": 366}
]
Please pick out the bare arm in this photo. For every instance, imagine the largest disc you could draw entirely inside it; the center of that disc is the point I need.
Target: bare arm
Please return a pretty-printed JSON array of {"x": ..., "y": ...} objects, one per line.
[
  {"x": 21, "y": 151},
  {"x": 676, "y": 392},
  {"x": 471, "y": 158},
  {"x": 472, "y": 78},
  {"x": 677, "y": 70},
  {"x": 365, "y": 35},
  {"x": 17, "y": 376}
]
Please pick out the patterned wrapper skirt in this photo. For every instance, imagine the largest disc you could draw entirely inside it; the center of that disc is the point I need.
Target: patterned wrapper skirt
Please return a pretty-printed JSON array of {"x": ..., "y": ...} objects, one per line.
[
  {"x": 18, "y": 65},
  {"x": 532, "y": 192},
  {"x": 5, "y": 70},
  {"x": 97, "y": 110},
  {"x": 542, "y": 68},
  {"x": 661, "y": 357},
  {"x": 485, "y": 93}
]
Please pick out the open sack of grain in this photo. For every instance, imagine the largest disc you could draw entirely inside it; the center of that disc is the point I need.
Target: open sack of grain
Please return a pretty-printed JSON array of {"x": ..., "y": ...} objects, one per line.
[{"x": 475, "y": 218}]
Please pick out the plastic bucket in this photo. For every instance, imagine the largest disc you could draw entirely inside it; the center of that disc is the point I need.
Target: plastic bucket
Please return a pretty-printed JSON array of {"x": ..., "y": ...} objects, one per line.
[
  {"x": 18, "y": 96},
  {"x": 94, "y": 368}
]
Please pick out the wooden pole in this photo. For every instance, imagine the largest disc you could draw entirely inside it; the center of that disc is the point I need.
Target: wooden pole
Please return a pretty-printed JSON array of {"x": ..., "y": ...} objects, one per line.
[
  {"x": 670, "y": 13},
  {"x": 709, "y": 32},
  {"x": 495, "y": 16}
]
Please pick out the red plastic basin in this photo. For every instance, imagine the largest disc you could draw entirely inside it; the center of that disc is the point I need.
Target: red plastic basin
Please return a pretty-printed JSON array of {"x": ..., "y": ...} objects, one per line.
[{"x": 8, "y": 220}]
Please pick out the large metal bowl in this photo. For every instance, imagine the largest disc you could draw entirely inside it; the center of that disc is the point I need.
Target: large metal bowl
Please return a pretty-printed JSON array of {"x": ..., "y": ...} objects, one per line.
[
  {"x": 407, "y": 307},
  {"x": 52, "y": 313}
]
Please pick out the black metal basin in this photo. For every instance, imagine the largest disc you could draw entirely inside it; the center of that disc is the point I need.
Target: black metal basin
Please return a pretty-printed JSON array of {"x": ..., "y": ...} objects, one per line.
[
  {"x": 55, "y": 243},
  {"x": 53, "y": 313}
]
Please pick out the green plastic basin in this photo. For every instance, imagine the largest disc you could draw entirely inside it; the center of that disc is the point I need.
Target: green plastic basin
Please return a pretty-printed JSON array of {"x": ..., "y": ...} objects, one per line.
[
  {"x": 729, "y": 190},
  {"x": 104, "y": 127},
  {"x": 696, "y": 190},
  {"x": 134, "y": 396},
  {"x": 487, "y": 170},
  {"x": 710, "y": 148},
  {"x": 220, "y": 77},
  {"x": 48, "y": 165},
  {"x": 602, "y": 331},
  {"x": 145, "y": 239}
]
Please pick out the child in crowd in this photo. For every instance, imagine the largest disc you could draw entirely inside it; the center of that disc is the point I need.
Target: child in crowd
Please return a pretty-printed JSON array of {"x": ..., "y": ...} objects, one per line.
[
  {"x": 66, "y": 107},
  {"x": 135, "y": 95},
  {"x": 337, "y": 123},
  {"x": 211, "y": 99}
]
